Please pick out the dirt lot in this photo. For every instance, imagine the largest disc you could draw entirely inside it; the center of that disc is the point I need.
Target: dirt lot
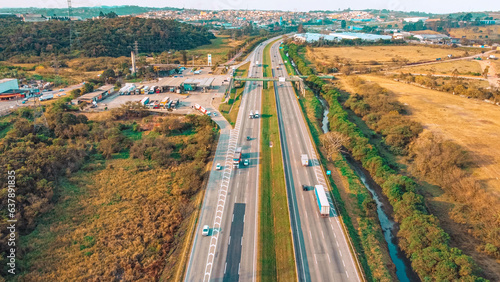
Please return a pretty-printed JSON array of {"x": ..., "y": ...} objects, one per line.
[
  {"x": 478, "y": 32},
  {"x": 464, "y": 67},
  {"x": 384, "y": 54},
  {"x": 473, "y": 124}
]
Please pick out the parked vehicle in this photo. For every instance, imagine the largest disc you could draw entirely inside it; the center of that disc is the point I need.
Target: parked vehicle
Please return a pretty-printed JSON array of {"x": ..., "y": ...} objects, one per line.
[
  {"x": 305, "y": 160},
  {"x": 322, "y": 200},
  {"x": 144, "y": 101},
  {"x": 164, "y": 102},
  {"x": 237, "y": 157}
]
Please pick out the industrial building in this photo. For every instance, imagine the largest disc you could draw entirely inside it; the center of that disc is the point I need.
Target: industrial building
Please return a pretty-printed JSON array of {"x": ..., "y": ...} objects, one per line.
[
  {"x": 9, "y": 89},
  {"x": 96, "y": 96},
  {"x": 312, "y": 37}
]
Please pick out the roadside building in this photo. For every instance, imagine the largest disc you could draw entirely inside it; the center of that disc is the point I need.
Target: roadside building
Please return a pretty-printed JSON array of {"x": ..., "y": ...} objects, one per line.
[
  {"x": 96, "y": 96},
  {"x": 9, "y": 89},
  {"x": 171, "y": 84},
  {"x": 33, "y": 18}
]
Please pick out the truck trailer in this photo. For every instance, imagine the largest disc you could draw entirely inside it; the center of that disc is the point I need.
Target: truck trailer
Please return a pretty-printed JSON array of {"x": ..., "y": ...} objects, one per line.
[
  {"x": 304, "y": 159},
  {"x": 201, "y": 109},
  {"x": 46, "y": 97},
  {"x": 144, "y": 101},
  {"x": 237, "y": 157},
  {"x": 250, "y": 115},
  {"x": 322, "y": 200}
]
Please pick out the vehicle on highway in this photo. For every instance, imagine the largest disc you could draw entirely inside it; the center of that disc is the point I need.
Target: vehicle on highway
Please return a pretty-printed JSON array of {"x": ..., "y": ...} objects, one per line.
[
  {"x": 256, "y": 115},
  {"x": 205, "y": 230},
  {"x": 322, "y": 200},
  {"x": 61, "y": 90},
  {"x": 246, "y": 162},
  {"x": 304, "y": 159},
  {"x": 218, "y": 167},
  {"x": 305, "y": 188},
  {"x": 250, "y": 115},
  {"x": 23, "y": 102},
  {"x": 237, "y": 157},
  {"x": 249, "y": 138}
]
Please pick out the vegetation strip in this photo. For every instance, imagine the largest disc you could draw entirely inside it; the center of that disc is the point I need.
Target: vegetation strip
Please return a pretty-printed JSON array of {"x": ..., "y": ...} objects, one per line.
[
  {"x": 276, "y": 257},
  {"x": 230, "y": 109}
]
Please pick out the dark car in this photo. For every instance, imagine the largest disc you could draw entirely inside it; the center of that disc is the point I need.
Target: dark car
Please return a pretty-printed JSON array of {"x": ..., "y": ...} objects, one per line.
[
  {"x": 304, "y": 187},
  {"x": 249, "y": 138}
]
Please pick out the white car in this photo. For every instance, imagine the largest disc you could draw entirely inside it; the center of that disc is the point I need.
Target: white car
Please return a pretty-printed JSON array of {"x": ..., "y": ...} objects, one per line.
[
  {"x": 205, "y": 230},
  {"x": 246, "y": 162},
  {"x": 218, "y": 167}
]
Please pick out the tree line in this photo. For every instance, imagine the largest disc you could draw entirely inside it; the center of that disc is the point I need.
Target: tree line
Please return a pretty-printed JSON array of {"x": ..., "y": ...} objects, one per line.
[{"x": 111, "y": 37}]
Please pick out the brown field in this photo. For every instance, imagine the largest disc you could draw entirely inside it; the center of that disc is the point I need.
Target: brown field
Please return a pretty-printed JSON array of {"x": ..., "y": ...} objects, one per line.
[
  {"x": 383, "y": 54},
  {"x": 464, "y": 67},
  {"x": 478, "y": 32},
  {"x": 473, "y": 124}
]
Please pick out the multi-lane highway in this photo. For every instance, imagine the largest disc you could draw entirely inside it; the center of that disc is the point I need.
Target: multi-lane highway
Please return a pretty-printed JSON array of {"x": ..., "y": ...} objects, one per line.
[
  {"x": 230, "y": 207},
  {"x": 321, "y": 247}
]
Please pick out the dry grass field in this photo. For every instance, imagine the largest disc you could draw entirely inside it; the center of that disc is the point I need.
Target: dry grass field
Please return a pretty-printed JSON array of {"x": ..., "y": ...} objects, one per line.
[
  {"x": 370, "y": 55},
  {"x": 464, "y": 67},
  {"x": 473, "y": 124},
  {"x": 477, "y": 32}
]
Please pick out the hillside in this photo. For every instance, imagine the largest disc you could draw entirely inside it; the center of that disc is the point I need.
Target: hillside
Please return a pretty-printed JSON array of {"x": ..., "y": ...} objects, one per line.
[
  {"x": 106, "y": 199},
  {"x": 102, "y": 37}
]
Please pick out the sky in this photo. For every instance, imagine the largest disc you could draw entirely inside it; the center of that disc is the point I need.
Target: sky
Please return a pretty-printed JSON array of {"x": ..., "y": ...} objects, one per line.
[{"x": 432, "y": 6}]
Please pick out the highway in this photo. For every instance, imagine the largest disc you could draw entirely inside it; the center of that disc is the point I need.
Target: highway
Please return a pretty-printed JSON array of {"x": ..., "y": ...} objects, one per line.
[
  {"x": 321, "y": 247},
  {"x": 230, "y": 206}
]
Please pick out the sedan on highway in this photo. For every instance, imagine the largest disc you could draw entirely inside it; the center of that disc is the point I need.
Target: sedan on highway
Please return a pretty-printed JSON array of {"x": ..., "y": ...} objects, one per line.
[
  {"x": 218, "y": 167},
  {"x": 205, "y": 230},
  {"x": 246, "y": 162}
]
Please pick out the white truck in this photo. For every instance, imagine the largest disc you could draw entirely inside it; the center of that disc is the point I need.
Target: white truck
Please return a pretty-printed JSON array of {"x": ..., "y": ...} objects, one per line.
[
  {"x": 46, "y": 97},
  {"x": 250, "y": 115},
  {"x": 144, "y": 101},
  {"x": 322, "y": 200},
  {"x": 304, "y": 159}
]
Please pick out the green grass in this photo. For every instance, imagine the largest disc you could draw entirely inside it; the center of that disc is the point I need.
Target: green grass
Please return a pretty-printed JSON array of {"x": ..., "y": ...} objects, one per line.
[
  {"x": 230, "y": 109},
  {"x": 276, "y": 258}
]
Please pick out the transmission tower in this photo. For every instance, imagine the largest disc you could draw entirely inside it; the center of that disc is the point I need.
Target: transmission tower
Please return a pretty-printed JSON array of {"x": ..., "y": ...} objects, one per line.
[
  {"x": 39, "y": 118},
  {"x": 70, "y": 26},
  {"x": 136, "y": 48}
]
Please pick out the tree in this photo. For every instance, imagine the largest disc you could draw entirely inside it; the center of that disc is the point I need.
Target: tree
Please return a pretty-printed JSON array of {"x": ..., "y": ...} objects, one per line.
[
  {"x": 184, "y": 57},
  {"x": 343, "y": 24},
  {"x": 300, "y": 29}
]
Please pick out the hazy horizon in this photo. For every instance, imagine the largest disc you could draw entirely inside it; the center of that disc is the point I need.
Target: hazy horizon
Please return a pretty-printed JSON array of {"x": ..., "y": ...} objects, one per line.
[{"x": 427, "y": 6}]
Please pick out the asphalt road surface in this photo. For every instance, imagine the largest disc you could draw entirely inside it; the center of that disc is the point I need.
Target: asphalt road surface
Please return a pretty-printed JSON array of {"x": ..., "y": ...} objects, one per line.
[
  {"x": 230, "y": 206},
  {"x": 321, "y": 247}
]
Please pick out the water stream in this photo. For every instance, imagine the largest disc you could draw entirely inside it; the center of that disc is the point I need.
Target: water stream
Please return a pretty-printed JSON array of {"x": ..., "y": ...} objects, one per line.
[{"x": 403, "y": 270}]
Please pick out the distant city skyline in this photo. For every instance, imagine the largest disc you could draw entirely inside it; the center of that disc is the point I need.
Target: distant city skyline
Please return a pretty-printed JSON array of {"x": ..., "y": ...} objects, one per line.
[{"x": 429, "y": 6}]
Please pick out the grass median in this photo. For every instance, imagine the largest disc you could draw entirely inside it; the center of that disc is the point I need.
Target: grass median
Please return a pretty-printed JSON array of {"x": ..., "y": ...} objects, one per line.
[
  {"x": 230, "y": 109},
  {"x": 276, "y": 258}
]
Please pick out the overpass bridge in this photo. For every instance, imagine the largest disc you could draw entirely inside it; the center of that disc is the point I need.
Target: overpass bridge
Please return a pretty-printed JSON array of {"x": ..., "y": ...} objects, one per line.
[{"x": 297, "y": 79}]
